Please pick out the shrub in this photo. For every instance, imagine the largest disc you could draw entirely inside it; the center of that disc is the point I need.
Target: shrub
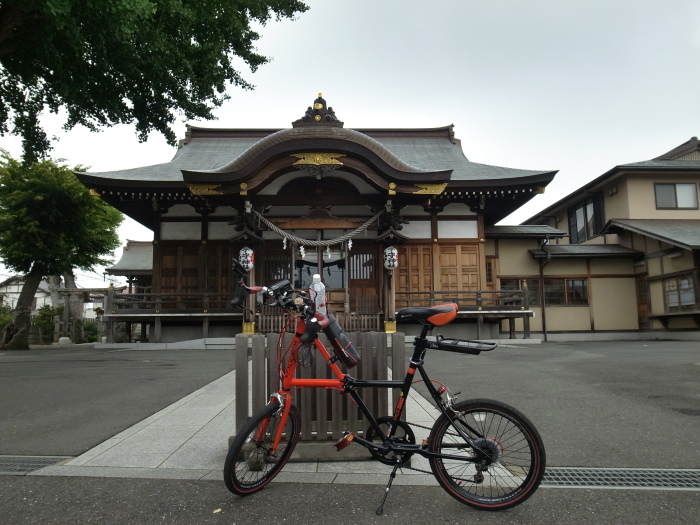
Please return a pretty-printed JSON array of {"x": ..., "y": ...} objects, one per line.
[
  {"x": 90, "y": 331},
  {"x": 5, "y": 315},
  {"x": 43, "y": 323}
]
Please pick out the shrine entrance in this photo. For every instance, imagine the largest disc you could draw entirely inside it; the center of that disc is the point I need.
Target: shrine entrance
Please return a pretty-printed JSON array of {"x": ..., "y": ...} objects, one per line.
[{"x": 352, "y": 277}]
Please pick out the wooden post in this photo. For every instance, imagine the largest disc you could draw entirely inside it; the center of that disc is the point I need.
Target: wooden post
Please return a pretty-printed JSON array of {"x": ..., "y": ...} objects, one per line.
[
  {"x": 157, "y": 330},
  {"x": 526, "y": 306},
  {"x": 110, "y": 308},
  {"x": 259, "y": 391},
  {"x": 241, "y": 363}
]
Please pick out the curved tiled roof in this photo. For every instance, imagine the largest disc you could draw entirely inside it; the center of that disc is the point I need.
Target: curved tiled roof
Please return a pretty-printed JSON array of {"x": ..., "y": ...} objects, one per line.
[
  {"x": 320, "y": 133},
  {"x": 411, "y": 151},
  {"x": 137, "y": 258},
  {"x": 429, "y": 153}
]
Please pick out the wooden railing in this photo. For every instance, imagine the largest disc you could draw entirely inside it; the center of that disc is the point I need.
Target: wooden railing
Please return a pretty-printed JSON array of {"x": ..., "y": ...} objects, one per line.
[
  {"x": 150, "y": 311},
  {"x": 482, "y": 305},
  {"x": 467, "y": 300},
  {"x": 163, "y": 303}
]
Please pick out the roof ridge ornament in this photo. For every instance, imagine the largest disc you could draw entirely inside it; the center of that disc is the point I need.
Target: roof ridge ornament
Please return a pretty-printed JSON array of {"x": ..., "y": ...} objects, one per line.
[{"x": 318, "y": 115}]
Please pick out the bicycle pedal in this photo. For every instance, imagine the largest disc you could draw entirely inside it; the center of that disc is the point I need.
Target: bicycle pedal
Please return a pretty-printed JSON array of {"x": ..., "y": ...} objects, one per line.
[{"x": 344, "y": 441}]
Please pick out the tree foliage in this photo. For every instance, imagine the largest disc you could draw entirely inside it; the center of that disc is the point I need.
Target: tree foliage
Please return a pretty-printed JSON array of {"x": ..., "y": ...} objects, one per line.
[
  {"x": 5, "y": 315},
  {"x": 50, "y": 222},
  {"x": 122, "y": 61}
]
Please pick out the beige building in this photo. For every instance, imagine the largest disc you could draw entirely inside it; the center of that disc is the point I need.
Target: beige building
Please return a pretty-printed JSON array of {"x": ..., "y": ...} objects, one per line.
[{"x": 630, "y": 262}]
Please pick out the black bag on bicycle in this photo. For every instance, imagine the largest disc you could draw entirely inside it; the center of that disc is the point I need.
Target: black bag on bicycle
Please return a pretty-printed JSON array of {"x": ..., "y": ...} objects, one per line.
[{"x": 343, "y": 348}]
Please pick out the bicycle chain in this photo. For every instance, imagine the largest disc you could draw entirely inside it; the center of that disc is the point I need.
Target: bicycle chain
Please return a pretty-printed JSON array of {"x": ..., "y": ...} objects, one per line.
[{"x": 414, "y": 468}]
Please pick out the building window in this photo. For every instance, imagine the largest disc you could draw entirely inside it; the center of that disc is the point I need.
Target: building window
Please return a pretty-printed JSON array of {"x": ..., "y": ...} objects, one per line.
[
  {"x": 676, "y": 196},
  {"x": 679, "y": 292},
  {"x": 566, "y": 292},
  {"x": 489, "y": 271},
  {"x": 533, "y": 288},
  {"x": 586, "y": 219}
]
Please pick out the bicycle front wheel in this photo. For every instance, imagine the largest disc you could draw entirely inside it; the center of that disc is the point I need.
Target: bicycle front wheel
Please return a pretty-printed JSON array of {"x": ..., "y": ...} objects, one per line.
[
  {"x": 500, "y": 466},
  {"x": 251, "y": 462}
]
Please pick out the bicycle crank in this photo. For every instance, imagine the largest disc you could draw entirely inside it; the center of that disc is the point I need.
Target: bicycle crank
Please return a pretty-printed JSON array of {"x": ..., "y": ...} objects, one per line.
[{"x": 403, "y": 435}]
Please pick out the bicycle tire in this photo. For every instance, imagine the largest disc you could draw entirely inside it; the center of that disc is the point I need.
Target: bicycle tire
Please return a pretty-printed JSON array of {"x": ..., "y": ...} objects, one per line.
[
  {"x": 505, "y": 439},
  {"x": 249, "y": 465}
]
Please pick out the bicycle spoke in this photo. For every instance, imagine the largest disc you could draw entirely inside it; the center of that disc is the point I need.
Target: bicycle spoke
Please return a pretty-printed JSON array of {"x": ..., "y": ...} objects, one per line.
[{"x": 500, "y": 465}]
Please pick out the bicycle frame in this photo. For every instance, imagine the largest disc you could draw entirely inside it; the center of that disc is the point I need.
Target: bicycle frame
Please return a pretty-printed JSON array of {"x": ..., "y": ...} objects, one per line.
[
  {"x": 507, "y": 457},
  {"x": 346, "y": 384}
]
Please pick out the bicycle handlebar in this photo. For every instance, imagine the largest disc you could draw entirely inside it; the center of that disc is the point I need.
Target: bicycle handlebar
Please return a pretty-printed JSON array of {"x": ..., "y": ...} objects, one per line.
[{"x": 278, "y": 294}]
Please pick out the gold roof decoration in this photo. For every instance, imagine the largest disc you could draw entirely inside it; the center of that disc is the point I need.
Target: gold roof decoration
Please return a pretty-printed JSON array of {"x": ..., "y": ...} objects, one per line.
[
  {"x": 318, "y": 115},
  {"x": 205, "y": 189},
  {"x": 430, "y": 189}
]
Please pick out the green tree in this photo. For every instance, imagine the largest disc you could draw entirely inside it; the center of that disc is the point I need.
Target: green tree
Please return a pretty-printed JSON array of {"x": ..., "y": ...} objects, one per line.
[
  {"x": 124, "y": 61},
  {"x": 49, "y": 224},
  {"x": 5, "y": 315}
]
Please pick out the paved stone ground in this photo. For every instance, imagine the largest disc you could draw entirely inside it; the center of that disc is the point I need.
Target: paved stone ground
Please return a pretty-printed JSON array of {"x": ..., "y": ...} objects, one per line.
[{"x": 629, "y": 404}]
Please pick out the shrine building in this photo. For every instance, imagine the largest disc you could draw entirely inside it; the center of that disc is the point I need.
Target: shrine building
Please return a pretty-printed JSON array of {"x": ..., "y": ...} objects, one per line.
[{"x": 388, "y": 217}]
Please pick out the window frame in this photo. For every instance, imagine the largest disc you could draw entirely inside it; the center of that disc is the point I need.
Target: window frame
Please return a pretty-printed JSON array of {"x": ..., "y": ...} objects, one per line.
[
  {"x": 567, "y": 292},
  {"x": 675, "y": 185},
  {"x": 681, "y": 293},
  {"x": 590, "y": 226}
]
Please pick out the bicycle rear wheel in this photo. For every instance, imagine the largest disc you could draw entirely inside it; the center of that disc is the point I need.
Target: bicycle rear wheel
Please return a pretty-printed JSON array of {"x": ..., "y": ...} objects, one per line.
[
  {"x": 251, "y": 463},
  {"x": 504, "y": 466}
]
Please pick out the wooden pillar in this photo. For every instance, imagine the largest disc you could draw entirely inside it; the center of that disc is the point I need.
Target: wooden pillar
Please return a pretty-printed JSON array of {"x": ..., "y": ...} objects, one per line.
[
  {"x": 241, "y": 363},
  {"x": 390, "y": 302},
  {"x": 157, "y": 330},
  {"x": 526, "y": 327},
  {"x": 109, "y": 305}
]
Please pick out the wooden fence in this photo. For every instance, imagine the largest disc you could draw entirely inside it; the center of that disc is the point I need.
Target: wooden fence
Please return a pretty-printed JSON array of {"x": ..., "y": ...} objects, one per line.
[{"x": 325, "y": 414}]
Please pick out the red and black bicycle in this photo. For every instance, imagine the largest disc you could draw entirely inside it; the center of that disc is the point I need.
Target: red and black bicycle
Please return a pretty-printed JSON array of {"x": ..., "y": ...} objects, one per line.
[{"x": 484, "y": 453}]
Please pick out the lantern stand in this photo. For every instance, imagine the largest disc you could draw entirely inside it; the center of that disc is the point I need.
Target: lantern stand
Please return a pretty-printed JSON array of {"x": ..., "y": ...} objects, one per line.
[
  {"x": 390, "y": 237},
  {"x": 247, "y": 237},
  {"x": 246, "y": 257},
  {"x": 391, "y": 262}
]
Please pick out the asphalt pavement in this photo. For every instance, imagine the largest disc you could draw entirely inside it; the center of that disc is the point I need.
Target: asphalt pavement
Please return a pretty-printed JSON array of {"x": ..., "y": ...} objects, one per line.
[{"x": 624, "y": 405}]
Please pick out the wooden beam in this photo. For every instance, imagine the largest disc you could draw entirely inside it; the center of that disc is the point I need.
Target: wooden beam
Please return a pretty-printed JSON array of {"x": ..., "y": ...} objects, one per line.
[{"x": 313, "y": 223}]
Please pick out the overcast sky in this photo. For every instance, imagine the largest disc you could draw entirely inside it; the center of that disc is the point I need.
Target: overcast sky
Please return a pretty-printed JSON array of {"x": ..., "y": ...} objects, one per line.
[{"x": 578, "y": 87}]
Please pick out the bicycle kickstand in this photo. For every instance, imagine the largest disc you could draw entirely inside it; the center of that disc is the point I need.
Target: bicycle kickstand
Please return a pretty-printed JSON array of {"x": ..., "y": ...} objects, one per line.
[{"x": 397, "y": 464}]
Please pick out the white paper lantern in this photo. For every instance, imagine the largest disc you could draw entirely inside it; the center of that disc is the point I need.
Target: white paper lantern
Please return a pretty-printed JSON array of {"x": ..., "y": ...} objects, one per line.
[
  {"x": 247, "y": 258},
  {"x": 391, "y": 258}
]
